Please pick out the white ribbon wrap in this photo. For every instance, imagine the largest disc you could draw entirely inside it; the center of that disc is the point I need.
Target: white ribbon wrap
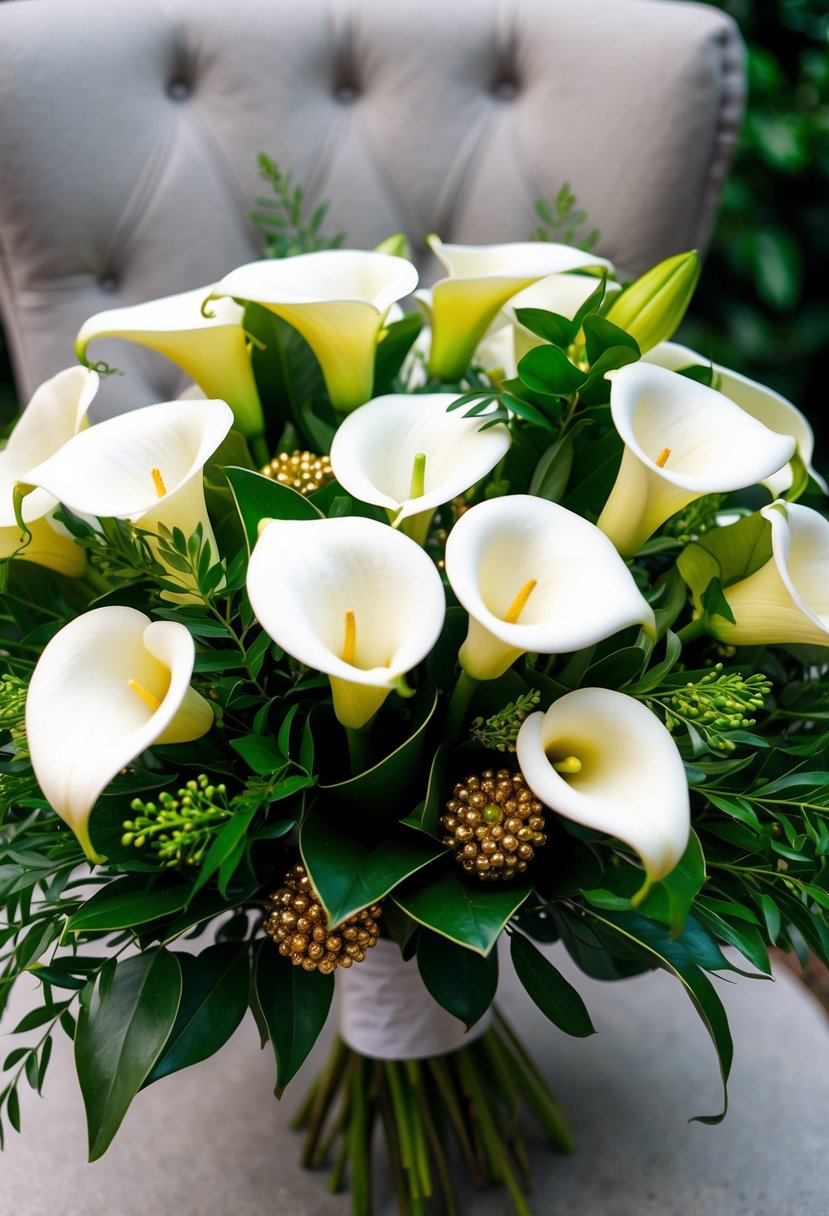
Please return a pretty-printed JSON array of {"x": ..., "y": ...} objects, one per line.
[{"x": 387, "y": 1013}]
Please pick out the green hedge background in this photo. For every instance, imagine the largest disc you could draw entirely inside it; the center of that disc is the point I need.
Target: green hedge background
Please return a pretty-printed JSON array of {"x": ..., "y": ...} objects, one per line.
[{"x": 762, "y": 306}]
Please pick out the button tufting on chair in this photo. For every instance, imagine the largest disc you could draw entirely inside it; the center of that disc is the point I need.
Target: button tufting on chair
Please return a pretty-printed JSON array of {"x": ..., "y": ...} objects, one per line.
[{"x": 179, "y": 90}]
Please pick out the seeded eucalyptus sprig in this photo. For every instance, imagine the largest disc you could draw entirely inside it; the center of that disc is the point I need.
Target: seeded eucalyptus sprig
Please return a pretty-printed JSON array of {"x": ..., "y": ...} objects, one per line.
[{"x": 717, "y": 703}]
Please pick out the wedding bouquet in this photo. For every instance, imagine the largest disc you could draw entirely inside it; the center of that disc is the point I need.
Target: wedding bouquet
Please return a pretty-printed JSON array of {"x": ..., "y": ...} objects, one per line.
[{"x": 389, "y": 640}]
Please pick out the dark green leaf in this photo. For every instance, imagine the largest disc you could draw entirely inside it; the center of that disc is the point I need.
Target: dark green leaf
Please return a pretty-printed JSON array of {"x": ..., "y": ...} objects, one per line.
[
  {"x": 553, "y": 994},
  {"x": 127, "y": 902},
  {"x": 392, "y": 350},
  {"x": 292, "y": 1006},
  {"x": 468, "y": 913},
  {"x": 259, "y": 498},
  {"x": 214, "y": 999},
  {"x": 548, "y": 371},
  {"x": 558, "y": 330},
  {"x": 462, "y": 982},
  {"x": 120, "y": 1037},
  {"x": 260, "y": 753}
]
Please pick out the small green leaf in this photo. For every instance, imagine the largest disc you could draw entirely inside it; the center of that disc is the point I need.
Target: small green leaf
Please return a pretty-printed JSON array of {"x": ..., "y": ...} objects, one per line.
[
  {"x": 714, "y": 602},
  {"x": 259, "y": 498},
  {"x": 462, "y": 982},
  {"x": 260, "y": 753},
  {"x": 120, "y": 1037},
  {"x": 558, "y": 330},
  {"x": 553, "y": 994},
  {"x": 548, "y": 371},
  {"x": 292, "y": 1006}
]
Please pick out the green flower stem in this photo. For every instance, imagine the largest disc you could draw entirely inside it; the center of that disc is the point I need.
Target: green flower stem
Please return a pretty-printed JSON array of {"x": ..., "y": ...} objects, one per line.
[
  {"x": 448, "y": 1093},
  {"x": 693, "y": 630},
  {"x": 359, "y": 753},
  {"x": 538, "y": 1096},
  {"x": 359, "y": 1141},
  {"x": 458, "y": 704}
]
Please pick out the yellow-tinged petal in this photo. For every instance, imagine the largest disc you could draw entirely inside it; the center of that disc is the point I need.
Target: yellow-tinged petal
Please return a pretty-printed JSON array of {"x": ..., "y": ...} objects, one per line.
[
  {"x": 84, "y": 719},
  {"x": 713, "y": 446},
  {"x": 629, "y": 781},
  {"x": 536, "y": 577},
  {"x": 212, "y": 349},
  {"x": 338, "y": 300},
  {"x": 306, "y": 577}
]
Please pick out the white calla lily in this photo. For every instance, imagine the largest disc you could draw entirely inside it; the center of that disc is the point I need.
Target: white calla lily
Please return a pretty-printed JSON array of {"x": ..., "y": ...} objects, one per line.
[
  {"x": 682, "y": 440},
  {"x": 210, "y": 346},
  {"x": 145, "y": 466},
  {"x": 534, "y": 576},
  {"x": 106, "y": 687},
  {"x": 57, "y": 411},
  {"x": 480, "y": 279},
  {"x": 349, "y": 597},
  {"x": 409, "y": 454},
  {"x": 787, "y": 599},
  {"x": 602, "y": 759},
  {"x": 756, "y": 399},
  {"x": 338, "y": 300}
]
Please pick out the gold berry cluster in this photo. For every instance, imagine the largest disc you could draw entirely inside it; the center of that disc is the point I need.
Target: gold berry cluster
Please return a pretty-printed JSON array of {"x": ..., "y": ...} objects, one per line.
[
  {"x": 495, "y": 823},
  {"x": 297, "y": 923},
  {"x": 302, "y": 471}
]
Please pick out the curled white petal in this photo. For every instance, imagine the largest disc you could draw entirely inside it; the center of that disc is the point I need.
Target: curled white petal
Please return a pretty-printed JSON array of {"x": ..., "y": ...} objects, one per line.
[
  {"x": 107, "y": 686},
  {"x": 631, "y": 783},
  {"x": 787, "y": 599},
  {"x": 210, "y": 345},
  {"x": 374, "y": 451},
  {"x": 682, "y": 440},
  {"x": 761, "y": 402},
  {"x": 306, "y": 577},
  {"x": 580, "y": 590},
  {"x": 338, "y": 300}
]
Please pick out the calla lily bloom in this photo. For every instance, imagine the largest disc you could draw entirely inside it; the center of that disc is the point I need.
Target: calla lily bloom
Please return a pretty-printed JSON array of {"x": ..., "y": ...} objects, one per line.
[
  {"x": 787, "y": 599},
  {"x": 56, "y": 412},
  {"x": 145, "y": 466},
  {"x": 602, "y": 759},
  {"x": 534, "y": 576},
  {"x": 349, "y": 597},
  {"x": 756, "y": 399},
  {"x": 481, "y": 278},
  {"x": 682, "y": 440},
  {"x": 212, "y": 349},
  {"x": 408, "y": 454},
  {"x": 106, "y": 687},
  {"x": 338, "y": 300}
]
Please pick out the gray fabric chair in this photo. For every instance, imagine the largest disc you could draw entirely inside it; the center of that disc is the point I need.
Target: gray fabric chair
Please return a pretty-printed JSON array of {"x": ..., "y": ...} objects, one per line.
[
  {"x": 129, "y": 133},
  {"x": 128, "y": 136}
]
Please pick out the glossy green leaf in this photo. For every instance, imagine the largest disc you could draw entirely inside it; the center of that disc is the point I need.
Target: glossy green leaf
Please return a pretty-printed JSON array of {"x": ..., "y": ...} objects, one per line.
[
  {"x": 120, "y": 1037},
  {"x": 669, "y": 901},
  {"x": 550, "y": 326},
  {"x": 351, "y": 867},
  {"x": 467, "y": 912},
  {"x": 644, "y": 935},
  {"x": 258, "y": 497},
  {"x": 601, "y": 335},
  {"x": 127, "y": 902},
  {"x": 462, "y": 982},
  {"x": 291, "y": 1008},
  {"x": 395, "y": 343},
  {"x": 555, "y": 996},
  {"x": 552, "y": 472},
  {"x": 547, "y": 370},
  {"x": 260, "y": 753},
  {"x": 214, "y": 999}
]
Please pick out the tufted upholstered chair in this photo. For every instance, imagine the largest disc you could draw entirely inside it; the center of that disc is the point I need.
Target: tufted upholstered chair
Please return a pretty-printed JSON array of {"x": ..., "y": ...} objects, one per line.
[{"x": 129, "y": 131}]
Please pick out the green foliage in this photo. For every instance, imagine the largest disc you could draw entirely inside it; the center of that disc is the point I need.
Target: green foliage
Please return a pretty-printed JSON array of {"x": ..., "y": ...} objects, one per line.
[
  {"x": 283, "y": 218},
  {"x": 761, "y": 305},
  {"x": 561, "y": 220}
]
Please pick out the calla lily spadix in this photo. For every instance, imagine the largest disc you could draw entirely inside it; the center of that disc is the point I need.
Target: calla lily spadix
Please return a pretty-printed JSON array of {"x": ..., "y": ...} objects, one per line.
[
  {"x": 787, "y": 599},
  {"x": 682, "y": 440},
  {"x": 349, "y": 597},
  {"x": 603, "y": 760},
  {"x": 56, "y": 412},
  {"x": 106, "y": 687},
  {"x": 338, "y": 300},
  {"x": 534, "y": 576},
  {"x": 756, "y": 399},
  {"x": 212, "y": 349},
  {"x": 407, "y": 453},
  {"x": 145, "y": 466},
  {"x": 481, "y": 278}
]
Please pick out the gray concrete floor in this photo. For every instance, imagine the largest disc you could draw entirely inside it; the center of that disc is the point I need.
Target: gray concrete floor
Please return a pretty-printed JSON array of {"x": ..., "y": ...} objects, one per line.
[{"x": 213, "y": 1142}]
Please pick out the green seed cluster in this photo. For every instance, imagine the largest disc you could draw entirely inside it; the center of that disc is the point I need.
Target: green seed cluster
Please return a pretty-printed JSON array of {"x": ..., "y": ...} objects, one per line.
[
  {"x": 696, "y": 519},
  {"x": 179, "y": 828},
  {"x": 718, "y": 702},
  {"x": 500, "y": 731},
  {"x": 13, "y": 692}
]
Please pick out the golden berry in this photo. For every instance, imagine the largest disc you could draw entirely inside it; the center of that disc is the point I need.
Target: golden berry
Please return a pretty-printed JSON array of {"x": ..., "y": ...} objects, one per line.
[
  {"x": 297, "y": 923},
  {"x": 495, "y": 823}
]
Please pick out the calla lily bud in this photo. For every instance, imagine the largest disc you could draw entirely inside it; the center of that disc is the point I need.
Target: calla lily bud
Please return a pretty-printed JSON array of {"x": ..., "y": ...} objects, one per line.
[
  {"x": 602, "y": 759},
  {"x": 397, "y": 246},
  {"x": 110, "y": 684},
  {"x": 651, "y": 309}
]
